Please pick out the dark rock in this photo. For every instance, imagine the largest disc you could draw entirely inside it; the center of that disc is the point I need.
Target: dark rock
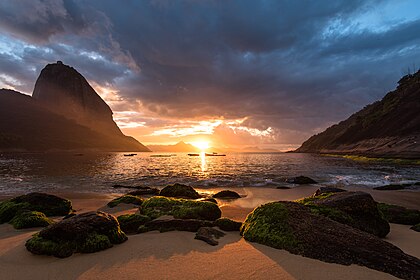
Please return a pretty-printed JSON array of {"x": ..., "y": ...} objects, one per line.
[
  {"x": 127, "y": 199},
  {"x": 283, "y": 188},
  {"x": 416, "y": 227},
  {"x": 208, "y": 235},
  {"x": 356, "y": 209},
  {"x": 130, "y": 223},
  {"x": 30, "y": 219},
  {"x": 157, "y": 206},
  {"x": 164, "y": 225},
  {"x": 293, "y": 227},
  {"x": 85, "y": 233},
  {"x": 392, "y": 187},
  {"x": 180, "y": 191},
  {"x": 69, "y": 215},
  {"x": 210, "y": 200},
  {"x": 228, "y": 224},
  {"x": 399, "y": 215},
  {"x": 323, "y": 190},
  {"x": 227, "y": 194},
  {"x": 301, "y": 180},
  {"x": 48, "y": 204}
]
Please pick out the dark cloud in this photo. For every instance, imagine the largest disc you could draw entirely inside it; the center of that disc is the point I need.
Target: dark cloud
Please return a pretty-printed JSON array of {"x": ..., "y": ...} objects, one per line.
[{"x": 281, "y": 64}]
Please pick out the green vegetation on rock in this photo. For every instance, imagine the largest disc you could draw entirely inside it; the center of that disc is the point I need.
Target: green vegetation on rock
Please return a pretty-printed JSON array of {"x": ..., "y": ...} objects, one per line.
[
  {"x": 48, "y": 204},
  {"x": 179, "y": 191},
  {"x": 85, "y": 233},
  {"x": 356, "y": 209},
  {"x": 127, "y": 199},
  {"x": 268, "y": 225},
  {"x": 29, "y": 219},
  {"x": 399, "y": 215},
  {"x": 157, "y": 206},
  {"x": 130, "y": 223},
  {"x": 416, "y": 227}
]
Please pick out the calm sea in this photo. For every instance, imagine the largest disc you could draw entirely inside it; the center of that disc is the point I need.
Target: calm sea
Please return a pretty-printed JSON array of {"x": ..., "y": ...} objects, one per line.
[{"x": 98, "y": 172}]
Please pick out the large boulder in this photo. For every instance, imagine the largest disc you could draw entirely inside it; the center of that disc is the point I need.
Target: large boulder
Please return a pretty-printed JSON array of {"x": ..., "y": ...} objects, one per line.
[
  {"x": 179, "y": 191},
  {"x": 399, "y": 215},
  {"x": 293, "y": 227},
  {"x": 356, "y": 209},
  {"x": 85, "y": 233},
  {"x": 157, "y": 206},
  {"x": 48, "y": 204}
]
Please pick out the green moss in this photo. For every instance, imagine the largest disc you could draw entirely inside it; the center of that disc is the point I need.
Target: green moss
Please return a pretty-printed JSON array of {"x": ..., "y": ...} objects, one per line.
[
  {"x": 268, "y": 225},
  {"x": 8, "y": 210},
  {"x": 330, "y": 212},
  {"x": 131, "y": 222},
  {"x": 127, "y": 199},
  {"x": 117, "y": 236},
  {"x": 94, "y": 243},
  {"x": 41, "y": 246},
  {"x": 157, "y": 206},
  {"x": 228, "y": 224},
  {"x": 180, "y": 191},
  {"x": 29, "y": 219},
  {"x": 398, "y": 214}
]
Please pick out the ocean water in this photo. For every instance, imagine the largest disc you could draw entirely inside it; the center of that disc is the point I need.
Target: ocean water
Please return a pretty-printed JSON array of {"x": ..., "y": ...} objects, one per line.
[{"x": 97, "y": 172}]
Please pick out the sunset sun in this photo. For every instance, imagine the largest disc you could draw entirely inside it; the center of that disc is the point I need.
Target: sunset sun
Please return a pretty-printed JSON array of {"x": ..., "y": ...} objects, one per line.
[{"x": 202, "y": 145}]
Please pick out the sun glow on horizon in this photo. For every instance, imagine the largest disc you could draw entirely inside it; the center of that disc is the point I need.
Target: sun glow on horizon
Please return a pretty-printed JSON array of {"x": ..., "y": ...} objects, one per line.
[{"x": 202, "y": 145}]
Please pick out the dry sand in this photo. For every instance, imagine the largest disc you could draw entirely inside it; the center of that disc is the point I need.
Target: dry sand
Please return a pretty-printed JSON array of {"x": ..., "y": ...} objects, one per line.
[{"x": 177, "y": 255}]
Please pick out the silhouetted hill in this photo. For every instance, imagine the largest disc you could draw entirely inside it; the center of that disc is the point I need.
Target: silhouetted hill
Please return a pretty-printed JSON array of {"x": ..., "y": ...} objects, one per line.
[
  {"x": 386, "y": 128},
  {"x": 44, "y": 123},
  {"x": 180, "y": 147},
  {"x": 66, "y": 92}
]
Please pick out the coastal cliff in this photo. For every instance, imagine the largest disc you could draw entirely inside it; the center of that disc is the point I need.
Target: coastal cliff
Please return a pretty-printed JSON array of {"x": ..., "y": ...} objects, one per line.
[
  {"x": 65, "y": 113},
  {"x": 387, "y": 128}
]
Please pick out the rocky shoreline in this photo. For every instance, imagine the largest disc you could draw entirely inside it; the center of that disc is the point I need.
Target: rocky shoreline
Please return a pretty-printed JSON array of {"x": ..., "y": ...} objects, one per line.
[{"x": 298, "y": 227}]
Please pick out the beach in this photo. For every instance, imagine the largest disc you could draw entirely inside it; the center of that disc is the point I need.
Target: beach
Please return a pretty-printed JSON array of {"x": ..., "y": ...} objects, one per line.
[{"x": 176, "y": 255}]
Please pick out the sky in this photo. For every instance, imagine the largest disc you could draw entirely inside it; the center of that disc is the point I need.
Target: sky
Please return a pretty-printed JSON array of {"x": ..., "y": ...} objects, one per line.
[{"x": 265, "y": 73}]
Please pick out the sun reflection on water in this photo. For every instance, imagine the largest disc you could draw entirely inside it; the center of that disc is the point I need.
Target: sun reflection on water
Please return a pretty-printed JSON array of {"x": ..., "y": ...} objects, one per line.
[{"x": 203, "y": 162}]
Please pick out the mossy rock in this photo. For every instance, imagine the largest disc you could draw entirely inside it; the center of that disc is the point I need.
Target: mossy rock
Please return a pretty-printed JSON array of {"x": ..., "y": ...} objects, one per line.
[
  {"x": 227, "y": 194},
  {"x": 293, "y": 227},
  {"x": 127, "y": 199},
  {"x": 416, "y": 227},
  {"x": 157, "y": 206},
  {"x": 130, "y": 223},
  {"x": 30, "y": 219},
  {"x": 179, "y": 191},
  {"x": 48, "y": 204},
  {"x": 210, "y": 200},
  {"x": 399, "y": 215},
  {"x": 84, "y": 233},
  {"x": 356, "y": 209},
  {"x": 228, "y": 224}
]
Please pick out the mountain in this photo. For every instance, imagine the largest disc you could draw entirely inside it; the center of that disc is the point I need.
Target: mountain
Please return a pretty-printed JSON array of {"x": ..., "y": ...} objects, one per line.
[
  {"x": 386, "y": 128},
  {"x": 180, "y": 147},
  {"x": 43, "y": 122}
]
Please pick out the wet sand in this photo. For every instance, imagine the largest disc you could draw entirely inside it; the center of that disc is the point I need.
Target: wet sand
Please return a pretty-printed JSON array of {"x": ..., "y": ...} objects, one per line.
[{"x": 177, "y": 255}]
